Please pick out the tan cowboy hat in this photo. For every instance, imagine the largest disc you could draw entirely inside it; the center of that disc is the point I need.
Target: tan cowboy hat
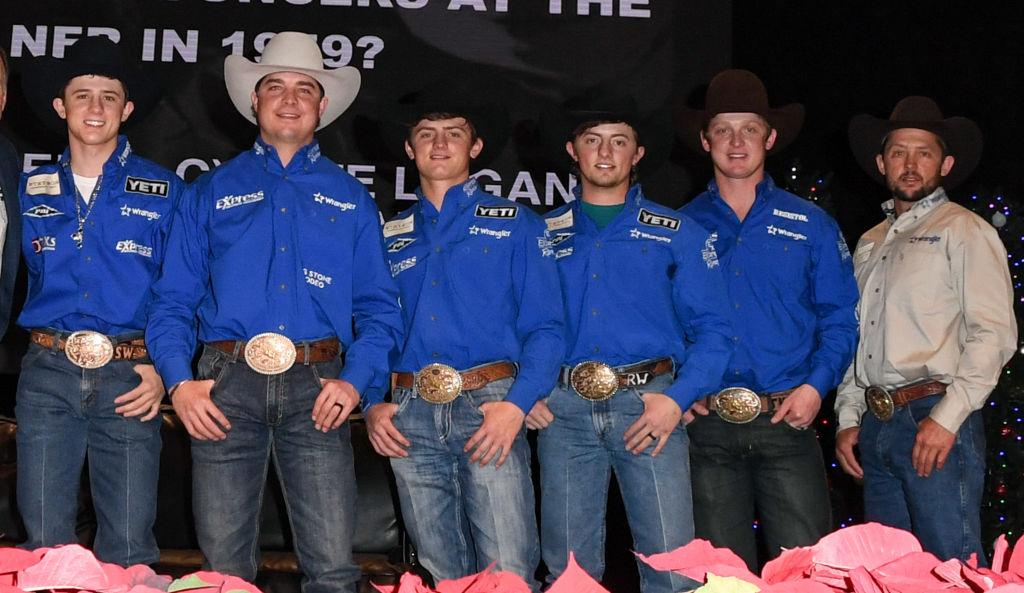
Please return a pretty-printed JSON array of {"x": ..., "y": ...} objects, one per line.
[
  {"x": 291, "y": 51},
  {"x": 738, "y": 91},
  {"x": 961, "y": 136}
]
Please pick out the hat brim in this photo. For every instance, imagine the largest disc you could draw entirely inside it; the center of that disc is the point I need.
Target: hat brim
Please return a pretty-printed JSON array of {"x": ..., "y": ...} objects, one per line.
[
  {"x": 42, "y": 82},
  {"x": 786, "y": 121},
  {"x": 341, "y": 85},
  {"x": 962, "y": 136}
]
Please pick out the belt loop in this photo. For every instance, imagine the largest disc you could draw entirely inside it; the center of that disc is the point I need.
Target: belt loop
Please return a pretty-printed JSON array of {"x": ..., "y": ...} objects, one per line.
[
  {"x": 234, "y": 354},
  {"x": 55, "y": 346},
  {"x": 305, "y": 352}
]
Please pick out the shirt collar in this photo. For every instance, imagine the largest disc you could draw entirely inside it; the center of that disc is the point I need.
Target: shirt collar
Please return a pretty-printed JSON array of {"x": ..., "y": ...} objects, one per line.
[
  {"x": 117, "y": 160},
  {"x": 461, "y": 194},
  {"x": 305, "y": 158},
  {"x": 634, "y": 196},
  {"x": 920, "y": 208},
  {"x": 763, "y": 191}
]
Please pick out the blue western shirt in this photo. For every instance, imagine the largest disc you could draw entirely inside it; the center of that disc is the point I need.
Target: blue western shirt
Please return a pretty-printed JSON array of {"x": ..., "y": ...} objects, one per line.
[
  {"x": 260, "y": 247},
  {"x": 791, "y": 289},
  {"x": 105, "y": 285},
  {"x": 643, "y": 287},
  {"x": 477, "y": 288}
]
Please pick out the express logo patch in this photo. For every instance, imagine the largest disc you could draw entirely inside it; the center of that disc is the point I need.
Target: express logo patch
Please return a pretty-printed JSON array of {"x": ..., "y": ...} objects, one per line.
[
  {"x": 42, "y": 211},
  {"x": 496, "y": 211},
  {"x": 658, "y": 220},
  {"x": 149, "y": 187},
  {"x": 400, "y": 244}
]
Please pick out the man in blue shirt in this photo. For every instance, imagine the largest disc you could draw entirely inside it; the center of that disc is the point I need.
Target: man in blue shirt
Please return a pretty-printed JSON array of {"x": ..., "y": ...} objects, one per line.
[
  {"x": 95, "y": 227},
  {"x": 792, "y": 296},
  {"x": 646, "y": 336},
  {"x": 483, "y": 321},
  {"x": 274, "y": 254}
]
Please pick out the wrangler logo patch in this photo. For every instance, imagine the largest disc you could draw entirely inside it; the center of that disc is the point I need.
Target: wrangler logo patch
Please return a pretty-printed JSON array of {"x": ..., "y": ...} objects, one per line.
[
  {"x": 400, "y": 244},
  {"x": 651, "y": 219},
  {"x": 47, "y": 184},
  {"x": 496, "y": 211},
  {"x": 42, "y": 211},
  {"x": 149, "y": 187}
]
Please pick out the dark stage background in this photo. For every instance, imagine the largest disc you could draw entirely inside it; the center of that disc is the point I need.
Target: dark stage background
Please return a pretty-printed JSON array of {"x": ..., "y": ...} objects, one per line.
[{"x": 838, "y": 58}]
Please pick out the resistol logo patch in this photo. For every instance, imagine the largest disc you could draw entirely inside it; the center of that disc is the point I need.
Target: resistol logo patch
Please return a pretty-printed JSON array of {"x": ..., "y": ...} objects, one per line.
[
  {"x": 659, "y": 220},
  {"x": 149, "y": 187},
  {"x": 496, "y": 211}
]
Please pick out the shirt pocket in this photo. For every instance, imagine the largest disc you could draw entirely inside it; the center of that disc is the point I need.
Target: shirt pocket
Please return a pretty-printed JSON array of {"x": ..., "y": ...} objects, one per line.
[{"x": 788, "y": 264}]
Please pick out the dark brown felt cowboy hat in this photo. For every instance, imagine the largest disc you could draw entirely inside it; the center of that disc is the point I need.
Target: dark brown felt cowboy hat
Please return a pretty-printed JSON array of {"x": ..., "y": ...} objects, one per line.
[
  {"x": 961, "y": 136},
  {"x": 738, "y": 91}
]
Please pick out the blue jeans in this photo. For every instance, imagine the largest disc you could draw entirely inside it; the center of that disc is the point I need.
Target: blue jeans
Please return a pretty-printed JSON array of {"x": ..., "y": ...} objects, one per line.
[
  {"x": 463, "y": 516},
  {"x": 578, "y": 452},
  {"x": 772, "y": 471},
  {"x": 942, "y": 510},
  {"x": 270, "y": 417},
  {"x": 66, "y": 413}
]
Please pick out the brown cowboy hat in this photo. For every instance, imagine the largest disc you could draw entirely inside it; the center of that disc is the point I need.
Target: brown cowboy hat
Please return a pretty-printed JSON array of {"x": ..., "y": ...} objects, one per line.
[
  {"x": 961, "y": 136},
  {"x": 738, "y": 91}
]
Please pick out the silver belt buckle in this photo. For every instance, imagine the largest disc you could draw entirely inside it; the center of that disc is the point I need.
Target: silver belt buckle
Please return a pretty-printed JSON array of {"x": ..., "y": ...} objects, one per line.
[
  {"x": 880, "y": 402},
  {"x": 594, "y": 381},
  {"x": 737, "y": 405},
  {"x": 438, "y": 383},
  {"x": 270, "y": 353},
  {"x": 88, "y": 349}
]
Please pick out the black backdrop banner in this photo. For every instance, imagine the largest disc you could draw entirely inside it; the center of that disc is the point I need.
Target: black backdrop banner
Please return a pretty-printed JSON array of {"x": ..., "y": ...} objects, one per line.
[{"x": 543, "y": 52}]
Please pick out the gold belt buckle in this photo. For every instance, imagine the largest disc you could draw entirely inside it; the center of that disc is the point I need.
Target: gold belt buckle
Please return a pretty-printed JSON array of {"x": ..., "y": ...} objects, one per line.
[
  {"x": 270, "y": 353},
  {"x": 594, "y": 380},
  {"x": 880, "y": 402},
  {"x": 737, "y": 405},
  {"x": 88, "y": 349},
  {"x": 438, "y": 383}
]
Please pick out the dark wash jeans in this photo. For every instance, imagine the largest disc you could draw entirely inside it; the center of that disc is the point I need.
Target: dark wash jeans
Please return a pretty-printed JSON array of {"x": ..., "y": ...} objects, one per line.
[
  {"x": 772, "y": 472},
  {"x": 942, "y": 510},
  {"x": 66, "y": 413},
  {"x": 270, "y": 417}
]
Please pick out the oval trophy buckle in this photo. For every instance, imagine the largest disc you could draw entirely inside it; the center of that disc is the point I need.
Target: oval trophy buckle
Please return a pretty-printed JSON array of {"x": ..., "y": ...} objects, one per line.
[
  {"x": 438, "y": 383},
  {"x": 880, "y": 402},
  {"x": 737, "y": 405},
  {"x": 270, "y": 353},
  {"x": 594, "y": 380},
  {"x": 88, "y": 349}
]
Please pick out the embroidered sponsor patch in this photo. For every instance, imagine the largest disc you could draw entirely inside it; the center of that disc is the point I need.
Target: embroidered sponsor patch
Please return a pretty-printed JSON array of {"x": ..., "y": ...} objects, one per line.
[
  {"x": 789, "y": 215},
  {"x": 477, "y": 230},
  {"x": 42, "y": 211},
  {"x": 649, "y": 218},
  {"x": 561, "y": 238},
  {"x": 231, "y": 201},
  {"x": 45, "y": 184},
  {"x": 127, "y": 210},
  {"x": 496, "y": 211},
  {"x": 638, "y": 234},
  {"x": 401, "y": 266},
  {"x": 314, "y": 278},
  {"x": 931, "y": 239},
  {"x": 129, "y": 246},
  {"x": 774, "y": 230},
  {"x": 319, "y": 198},
  {"x": 149, "y": 187},
  {"x": 844, "y": 250},
  {"x": 399, "y": 226},
  {"x": 709, "y": 253},
  {"x": 864, "y": 250},
  {"x": 562, "y": 221},
  {"x": 400, "y": 244},
  {"x": 44, "y": 243},
  {"x": 563, "y": 252},
  {"x": 545, "y": 245}
]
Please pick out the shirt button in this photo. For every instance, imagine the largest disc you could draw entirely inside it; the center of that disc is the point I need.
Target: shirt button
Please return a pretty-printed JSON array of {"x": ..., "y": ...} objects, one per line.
[
  {"x": 437, "y": 250},
  {"x": 435, "y": 354},
  {"x": 281, "y": 327},
  {"x": 594, "y": 276},
  {"x": 597, "y": 243},
  {"x": 331, "y": 219},
  {"x": 597, "y": 349},
  {"x": 735, "y": 338},
  {"x": 872, "y": 323},
  {"x": 877, "y": 289},
  {"x": 284, "y": 248},
  {"x": 283, "y": 210},
  {"x": 88, "y": 258},
  {"x": 593, "y": 311},
  {"x": 86, "y": 295},
  {"x": 869, "y": 356},
  {"x": 433, "y": 317},
  {"x": 433, "y": 282},
  {"x": 739, "y": 239},
  {"x": 738, "y": 272},
  {"x": 736, "y": 306},
  {"x": 883, "y": 257},
  {"x": 433, "y": 220},
  {"x": 736, "y": 372},
  {"x": 283, "y": 286}
]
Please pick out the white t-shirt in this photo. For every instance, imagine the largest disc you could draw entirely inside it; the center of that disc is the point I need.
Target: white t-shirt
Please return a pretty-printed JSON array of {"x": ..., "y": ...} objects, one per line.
[{"x": 85, "y": 186}]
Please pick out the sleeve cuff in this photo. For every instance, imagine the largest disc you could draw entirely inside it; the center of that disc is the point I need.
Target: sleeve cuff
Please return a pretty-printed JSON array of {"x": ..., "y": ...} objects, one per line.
[
  {"x": 519, "y": 394},
  {"x": 821, "y": 379},
  {"x": 682, "y": 394},
  {"x": 175, "y": 371},
  {"x": 359, "y": 378},
  {"x": 950, "y": 412}
]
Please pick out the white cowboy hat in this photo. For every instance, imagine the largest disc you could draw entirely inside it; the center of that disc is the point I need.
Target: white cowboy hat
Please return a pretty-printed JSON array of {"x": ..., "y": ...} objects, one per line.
[{"x": 291, "y": 51}]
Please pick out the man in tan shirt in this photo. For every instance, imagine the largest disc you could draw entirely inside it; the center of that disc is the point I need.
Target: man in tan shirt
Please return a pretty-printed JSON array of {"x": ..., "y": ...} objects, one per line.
[{"x": 937, "y": 325}]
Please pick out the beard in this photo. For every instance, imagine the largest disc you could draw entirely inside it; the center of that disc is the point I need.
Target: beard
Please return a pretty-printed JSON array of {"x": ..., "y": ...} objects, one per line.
[{"x": 924, "y": 191}]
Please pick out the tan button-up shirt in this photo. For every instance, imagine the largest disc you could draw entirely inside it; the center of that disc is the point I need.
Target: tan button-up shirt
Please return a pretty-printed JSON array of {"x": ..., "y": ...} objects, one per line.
[{"x": 936, "y": 302}]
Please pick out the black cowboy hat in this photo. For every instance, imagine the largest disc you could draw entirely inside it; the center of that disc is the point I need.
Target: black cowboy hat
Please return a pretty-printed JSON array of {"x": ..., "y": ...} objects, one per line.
[
  {"x": 45, "y": 78},
  {"x": 479, "y": 103},
  {"x": 961, "y": 136},
  {"x": 604, "y": 103},
  {"x": 738, "y": 91}
]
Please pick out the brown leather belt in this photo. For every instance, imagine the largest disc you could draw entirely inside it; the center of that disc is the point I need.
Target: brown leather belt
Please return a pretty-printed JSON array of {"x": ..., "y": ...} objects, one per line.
[
  {"x": 305, "y": 352},
  {"x": 769, "y": 401},
  {"x": 883, "y": 403},
  {"x": 634, "y": 375},
  {"x": 471, "y": 379},
  {"x": 124, "y": 350}
]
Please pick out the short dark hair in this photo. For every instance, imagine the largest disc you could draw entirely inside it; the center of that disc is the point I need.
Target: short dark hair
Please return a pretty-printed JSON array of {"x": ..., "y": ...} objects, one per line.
[
  {"x": 64, "y": 87},
  {"x": 438, "y": 116},
  {"x": 583, "y": 127},
  {"x": 256, "y": 89},
  {"x": 942, "y": 142}
]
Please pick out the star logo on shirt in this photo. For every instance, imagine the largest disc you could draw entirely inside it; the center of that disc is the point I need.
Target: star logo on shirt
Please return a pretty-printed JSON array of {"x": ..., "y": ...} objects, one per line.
[
  {"x": 634, "y": 234},
  {"x": 124, "y": 210},
  {"x": 474, "y": 230}
]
